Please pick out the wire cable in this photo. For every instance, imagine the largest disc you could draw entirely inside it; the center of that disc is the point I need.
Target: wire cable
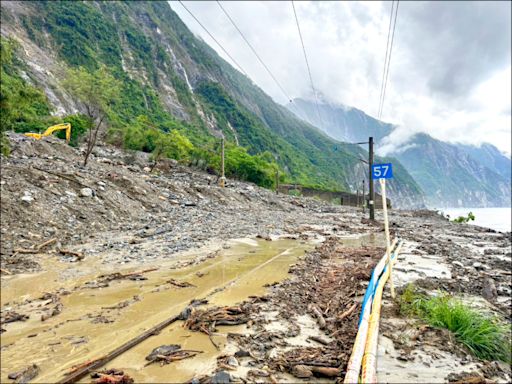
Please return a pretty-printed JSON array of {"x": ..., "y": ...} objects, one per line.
[
  {"x": 389, "y": 58},
  {"x": 385, "y": 78},
  {"x": 214, "y": 39},
  {"x": 255, "y": 53},
  {"x": 386, "y": 57},
  {"x": 307, "y": 64}
]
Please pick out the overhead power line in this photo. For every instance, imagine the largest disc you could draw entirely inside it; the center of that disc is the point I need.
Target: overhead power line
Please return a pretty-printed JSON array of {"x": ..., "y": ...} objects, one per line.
[
  {"x": 255, "y": 53},
  {"x": 386, "y": 56},
  {"x": 307, "y": 64},
  {"x": 214, "y": 39},
  {"x": 387, "y": 59}
]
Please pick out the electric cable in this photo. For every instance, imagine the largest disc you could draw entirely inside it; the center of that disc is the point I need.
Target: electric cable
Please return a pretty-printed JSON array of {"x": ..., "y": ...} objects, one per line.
[
  {"x": 255, "y": 53},
  {"x": 214, "y": 39},
  {"x": 307, "y": 64}
]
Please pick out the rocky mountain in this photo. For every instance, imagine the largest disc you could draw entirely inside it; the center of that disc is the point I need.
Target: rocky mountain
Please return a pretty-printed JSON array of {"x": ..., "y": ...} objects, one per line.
[
  {"x": 489, "y": 156},
  {"x": 451, "y": 175},
  {"x": 339, "y": 121},
  {"x": 452, "y": 178},
  {"x": 174, "y": 79}
]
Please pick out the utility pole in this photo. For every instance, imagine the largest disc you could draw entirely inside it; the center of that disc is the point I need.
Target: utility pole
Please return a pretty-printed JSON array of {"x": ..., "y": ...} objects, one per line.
[
  {"x": 371, "y": 204},
  {"x": 364, "y": 200},
  {"x": 277, "y": 182},
  {"x": 222, "y": 177}
]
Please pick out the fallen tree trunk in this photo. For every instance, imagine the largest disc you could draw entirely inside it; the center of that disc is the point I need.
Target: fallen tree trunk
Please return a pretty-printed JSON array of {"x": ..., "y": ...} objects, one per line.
[{"x": 77, "y": 375}]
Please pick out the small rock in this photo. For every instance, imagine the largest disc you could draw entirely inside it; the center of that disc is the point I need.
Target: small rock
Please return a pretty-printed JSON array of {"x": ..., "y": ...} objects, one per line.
[
  {"x": 70, "y": 194},
  {"x": 478, "y": 265},
  {"x": 232, "y": 361},
  {"x": 221, "y": 377},
  {"x": 301, "y": 371},
  {"x": 25, "y": 375},
  {"x": 489, "y": 291},
  {"x": 242, "y": 353},
  {"x": 86, "y": 192},
  {"x": 27, "y": 198},
  {"x": 163, "y": 350},
  {"x": 458, "y": 264},
  {"x": 147, "y": 169}
]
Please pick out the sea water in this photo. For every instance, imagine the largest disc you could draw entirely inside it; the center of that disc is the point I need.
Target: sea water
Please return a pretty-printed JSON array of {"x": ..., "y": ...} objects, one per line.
[{"x": 495, "y": 218}]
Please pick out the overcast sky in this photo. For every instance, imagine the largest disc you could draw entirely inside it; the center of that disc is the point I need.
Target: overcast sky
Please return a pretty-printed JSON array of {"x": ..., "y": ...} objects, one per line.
[{"x": 450, "y": 72}]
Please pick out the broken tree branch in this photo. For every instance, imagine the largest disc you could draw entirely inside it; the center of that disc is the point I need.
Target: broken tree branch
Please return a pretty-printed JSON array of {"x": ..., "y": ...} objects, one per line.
[
  {"x": 78, "y": 255},
  {"x": 318, "y": 315},
  {"x": 347, "y": 312}
]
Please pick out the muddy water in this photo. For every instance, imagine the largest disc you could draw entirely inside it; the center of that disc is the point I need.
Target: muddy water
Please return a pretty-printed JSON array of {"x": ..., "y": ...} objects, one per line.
[{"x": 73, "y": 337}]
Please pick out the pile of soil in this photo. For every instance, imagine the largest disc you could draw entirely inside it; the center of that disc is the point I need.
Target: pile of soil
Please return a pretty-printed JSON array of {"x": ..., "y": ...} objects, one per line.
[{"x": 115, "y": 205}]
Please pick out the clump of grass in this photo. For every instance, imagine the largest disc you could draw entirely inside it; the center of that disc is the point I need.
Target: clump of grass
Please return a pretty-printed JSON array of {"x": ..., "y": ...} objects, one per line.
[
  {"x": 484, "y": 335},
  {"x": 465, "y": 219}
]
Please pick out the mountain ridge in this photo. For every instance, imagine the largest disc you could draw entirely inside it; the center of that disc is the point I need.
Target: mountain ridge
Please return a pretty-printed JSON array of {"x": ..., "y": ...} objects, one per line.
[
  {"x": 450, "y": 174},
  {"x": 170, "y": 74}
]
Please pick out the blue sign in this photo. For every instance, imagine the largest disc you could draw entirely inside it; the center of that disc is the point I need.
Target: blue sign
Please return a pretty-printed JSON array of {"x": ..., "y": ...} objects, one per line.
[{"x": 382, "y": 171}]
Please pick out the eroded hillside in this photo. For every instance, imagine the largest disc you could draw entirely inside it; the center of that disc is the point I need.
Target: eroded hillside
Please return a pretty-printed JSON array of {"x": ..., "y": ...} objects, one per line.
[{"x": 175, "y": 80}]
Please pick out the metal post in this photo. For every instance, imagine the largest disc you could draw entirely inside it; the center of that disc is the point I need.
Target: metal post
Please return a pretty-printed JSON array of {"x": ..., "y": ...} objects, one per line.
[
  {"x": 371, "y": 204},
  {"x": 222, "y": 177},
  {"x": 388, "y": 240}
]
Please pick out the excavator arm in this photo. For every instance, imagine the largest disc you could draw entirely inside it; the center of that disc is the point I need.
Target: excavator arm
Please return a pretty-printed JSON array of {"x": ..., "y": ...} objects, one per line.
[{"x": 52, "y": 129}]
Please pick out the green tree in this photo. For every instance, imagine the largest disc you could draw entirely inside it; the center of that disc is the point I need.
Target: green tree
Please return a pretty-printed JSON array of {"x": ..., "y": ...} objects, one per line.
[
  {"x": 22, "y": 106},
  {"x": 173, "y": 145},
  {"x": 97, "y": 91}
]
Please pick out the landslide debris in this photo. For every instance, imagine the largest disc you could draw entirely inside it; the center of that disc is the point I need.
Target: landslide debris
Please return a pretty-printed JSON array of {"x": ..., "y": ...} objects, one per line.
[
  {"x": 129, "y": 207},
  {"x": 25, "y": 375},
  {"x": 323, "y": 295}
]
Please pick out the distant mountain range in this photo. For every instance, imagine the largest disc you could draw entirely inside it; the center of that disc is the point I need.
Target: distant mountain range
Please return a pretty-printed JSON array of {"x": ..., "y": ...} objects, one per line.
[{"x": 450, "y": 175}]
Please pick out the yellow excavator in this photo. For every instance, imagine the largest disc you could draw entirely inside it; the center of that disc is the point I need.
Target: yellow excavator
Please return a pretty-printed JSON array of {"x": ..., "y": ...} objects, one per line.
[{"x": 50, "y": 130}]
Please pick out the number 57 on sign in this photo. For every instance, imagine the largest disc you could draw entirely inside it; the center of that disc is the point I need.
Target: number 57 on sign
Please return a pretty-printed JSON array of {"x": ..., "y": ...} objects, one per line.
[{"x": 382, "y": 171}]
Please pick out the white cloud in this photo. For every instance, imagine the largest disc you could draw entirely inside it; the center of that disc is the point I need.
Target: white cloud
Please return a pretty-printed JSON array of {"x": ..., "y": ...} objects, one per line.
[{"x": 450, "y": 69}]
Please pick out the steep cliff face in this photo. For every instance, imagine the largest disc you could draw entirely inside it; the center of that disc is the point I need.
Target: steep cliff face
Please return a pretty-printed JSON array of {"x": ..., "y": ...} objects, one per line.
[
  {"x": 451, "y": 175},
  {"x": 168, "y": 73},
  {"x": 490, "y": 157}
]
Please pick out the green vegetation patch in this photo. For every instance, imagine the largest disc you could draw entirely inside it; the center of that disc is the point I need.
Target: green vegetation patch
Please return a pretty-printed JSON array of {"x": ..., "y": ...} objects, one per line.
[
  {"x": 485, "y": 335},
  {"x": 465, "y": 219},
  {"x": 21, "y": 105}
]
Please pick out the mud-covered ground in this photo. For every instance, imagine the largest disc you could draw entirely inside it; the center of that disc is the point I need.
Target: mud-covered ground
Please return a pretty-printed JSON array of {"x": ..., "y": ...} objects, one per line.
[
  {"x": 70, "y": 224},
  {"x": 116, "y": 210}
]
